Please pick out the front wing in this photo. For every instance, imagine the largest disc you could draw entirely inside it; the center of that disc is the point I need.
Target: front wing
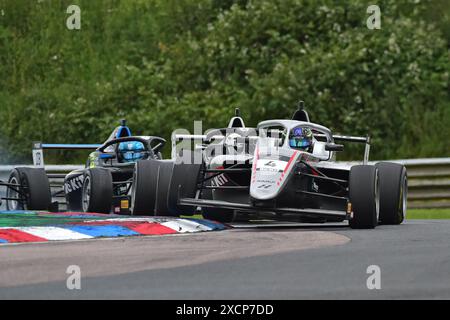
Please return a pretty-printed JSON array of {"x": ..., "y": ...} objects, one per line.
[{"x": 312, "y": 212}]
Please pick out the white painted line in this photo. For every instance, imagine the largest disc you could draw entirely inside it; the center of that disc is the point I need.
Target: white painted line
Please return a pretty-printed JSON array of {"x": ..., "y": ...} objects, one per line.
[{"x": 142, "y": 219}]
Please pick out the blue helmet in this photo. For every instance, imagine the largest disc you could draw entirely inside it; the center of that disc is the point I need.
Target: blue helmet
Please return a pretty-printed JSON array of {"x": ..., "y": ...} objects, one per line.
[
  {"x": 132, "y": 151},
  {"x": 301, "y": 138}
]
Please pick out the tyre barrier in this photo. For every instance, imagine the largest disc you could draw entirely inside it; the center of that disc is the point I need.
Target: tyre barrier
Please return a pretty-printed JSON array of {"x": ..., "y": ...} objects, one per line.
[{"x": 32, "y": 226}]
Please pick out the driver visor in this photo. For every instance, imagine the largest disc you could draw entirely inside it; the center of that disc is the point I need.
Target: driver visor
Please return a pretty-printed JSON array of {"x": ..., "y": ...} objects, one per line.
[{"x": 299, "y": 143}]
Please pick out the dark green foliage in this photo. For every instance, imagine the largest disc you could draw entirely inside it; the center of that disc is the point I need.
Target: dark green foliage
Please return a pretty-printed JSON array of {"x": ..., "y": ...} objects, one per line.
[{"x": 164, "y": 63}]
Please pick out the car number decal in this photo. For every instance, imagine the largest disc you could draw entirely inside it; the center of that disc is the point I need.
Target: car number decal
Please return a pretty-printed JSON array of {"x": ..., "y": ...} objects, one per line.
[{"x": 271, "y": 165}]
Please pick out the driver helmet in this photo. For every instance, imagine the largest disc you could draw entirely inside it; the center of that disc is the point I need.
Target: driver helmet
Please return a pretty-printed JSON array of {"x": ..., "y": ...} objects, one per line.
[
  {"x": 132, "y": 151},
  {"x": 301, "y": 138}
]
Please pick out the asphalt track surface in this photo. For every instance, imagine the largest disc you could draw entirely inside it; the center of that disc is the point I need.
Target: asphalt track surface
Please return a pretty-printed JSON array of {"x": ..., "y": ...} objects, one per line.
[{"x": 264, "y": 261}]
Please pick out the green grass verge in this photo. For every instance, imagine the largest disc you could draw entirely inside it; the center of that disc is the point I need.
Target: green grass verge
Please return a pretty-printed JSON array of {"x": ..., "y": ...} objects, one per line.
[
  {"x": 197, "y": 216},
  {"x": 428, "y": 214}
]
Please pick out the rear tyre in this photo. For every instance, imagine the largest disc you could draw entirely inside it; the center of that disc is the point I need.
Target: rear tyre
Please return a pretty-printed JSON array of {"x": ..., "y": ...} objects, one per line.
[
  {"x": 364, "y": 197},
  {"x": 393, "y": 192},
  {"x": 143, "y": 190},
  {"x": 97, "y": 193},
  {"x": 15, "y": 192},
  {"x": 33, "y": 192}
]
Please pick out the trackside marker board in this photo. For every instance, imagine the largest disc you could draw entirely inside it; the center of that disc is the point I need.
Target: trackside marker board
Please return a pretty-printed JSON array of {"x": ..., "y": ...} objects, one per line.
[{"x": 31, "y": 226}]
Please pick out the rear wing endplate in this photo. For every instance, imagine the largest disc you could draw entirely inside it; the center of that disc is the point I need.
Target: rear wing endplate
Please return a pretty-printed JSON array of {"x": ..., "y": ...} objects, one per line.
[{"x": 39, "y": 147}]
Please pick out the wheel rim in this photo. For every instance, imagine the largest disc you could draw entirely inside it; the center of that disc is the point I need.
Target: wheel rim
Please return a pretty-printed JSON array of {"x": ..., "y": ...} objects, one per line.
[
  {"x": 86, "y": 194},
  {"x": 133, "y": 190},
  {"x": 377, "y": 198},
  {"x": 10, "y": 193},
  {"x": 403, "y": 198}
]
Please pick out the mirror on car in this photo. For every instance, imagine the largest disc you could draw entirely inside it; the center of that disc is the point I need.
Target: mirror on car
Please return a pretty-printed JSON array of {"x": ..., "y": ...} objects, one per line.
[{"x": 334, "y": 147}]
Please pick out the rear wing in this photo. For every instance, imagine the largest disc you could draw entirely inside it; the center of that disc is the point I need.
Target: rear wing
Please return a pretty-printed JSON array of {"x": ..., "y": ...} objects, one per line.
[
  {"x": 365, "y": 140},
  {"x": 199, "y": 141},
  {"x": 39, "y": 147}
]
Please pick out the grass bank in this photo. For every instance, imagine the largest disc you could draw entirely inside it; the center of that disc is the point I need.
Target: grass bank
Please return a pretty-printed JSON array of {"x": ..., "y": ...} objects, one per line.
[{"x": 428, "y": 214}]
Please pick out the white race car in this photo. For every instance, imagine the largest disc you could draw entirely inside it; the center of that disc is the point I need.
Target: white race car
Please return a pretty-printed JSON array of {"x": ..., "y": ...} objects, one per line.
[{"x": 285, "y": 170}]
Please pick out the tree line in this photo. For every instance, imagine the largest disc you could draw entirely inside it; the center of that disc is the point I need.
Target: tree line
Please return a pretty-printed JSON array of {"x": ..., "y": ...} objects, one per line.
[{"x": 162, "y": 64}]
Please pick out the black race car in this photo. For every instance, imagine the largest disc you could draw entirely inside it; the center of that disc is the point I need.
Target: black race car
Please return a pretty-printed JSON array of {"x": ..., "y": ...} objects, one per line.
[{"x": 104, "y": 185}]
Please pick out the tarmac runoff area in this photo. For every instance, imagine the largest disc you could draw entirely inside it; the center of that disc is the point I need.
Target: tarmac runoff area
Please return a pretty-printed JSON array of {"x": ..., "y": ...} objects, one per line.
[
  {"x": 23, "y": 264},
  {"x": 251, "y": 261}
]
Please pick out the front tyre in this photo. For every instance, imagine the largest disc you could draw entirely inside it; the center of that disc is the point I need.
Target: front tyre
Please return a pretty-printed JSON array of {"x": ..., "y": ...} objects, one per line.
[
  {"x": 218, "y": 214},
  {"x": 393, "y": 192},
  {"x": 32, "y": 190},
  {"x": 143, "y": 190},
  {"x": 162, "y": 205},
  {"x": 364, "y": 196},
  {"x": 97, "y": 193}
]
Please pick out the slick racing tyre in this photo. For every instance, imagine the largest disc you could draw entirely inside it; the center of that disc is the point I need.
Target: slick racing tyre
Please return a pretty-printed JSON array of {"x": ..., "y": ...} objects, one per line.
[
  {"x": 32, "y": 191},
  {"x": 184, "y": 181},
  {"x": 97, "y": 193},
  {"x": 221, "y": 214},
  {"x": 218, "y": 214},
  {"x": 393, "y": 192},
  {"x": 165, "y": 173},
  {"x": 364, "y": 197},
  {"x": 143, "y": 189}
]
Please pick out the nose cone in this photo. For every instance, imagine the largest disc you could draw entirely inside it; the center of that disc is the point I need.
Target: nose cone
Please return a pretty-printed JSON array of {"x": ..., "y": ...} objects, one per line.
[{"x": 270, "y": 173}]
